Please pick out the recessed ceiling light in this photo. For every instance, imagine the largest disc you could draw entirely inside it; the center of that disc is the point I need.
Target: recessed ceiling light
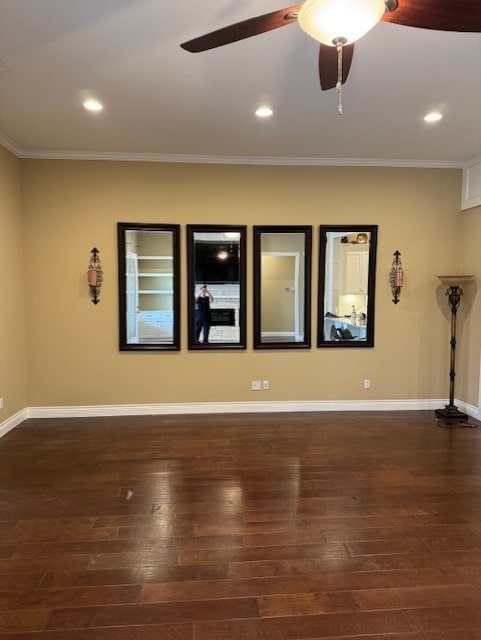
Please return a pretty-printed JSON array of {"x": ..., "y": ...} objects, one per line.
[
  {"x": 264, "y": 112},
  {"x": 93, "y": 105},
  {"x": 433, "y": 117}
]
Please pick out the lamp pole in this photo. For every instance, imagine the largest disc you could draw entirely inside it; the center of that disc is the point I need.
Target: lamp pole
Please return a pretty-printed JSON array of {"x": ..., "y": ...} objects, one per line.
[{"x": 454, "y": 293}]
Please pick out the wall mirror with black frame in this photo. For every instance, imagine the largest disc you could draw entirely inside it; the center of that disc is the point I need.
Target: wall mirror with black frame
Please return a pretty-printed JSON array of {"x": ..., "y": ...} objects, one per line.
[
  {"x": 149, "y": 286},
  {"x": 347, "y": 281},
  {"x": 216, "y": 268},
  {"x": 282, "y": 287}
]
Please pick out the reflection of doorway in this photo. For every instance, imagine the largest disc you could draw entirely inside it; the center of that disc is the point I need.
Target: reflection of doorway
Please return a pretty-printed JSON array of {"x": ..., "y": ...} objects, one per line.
[
  {"x": 132, "y": 297},
  {"x": 280, "y": 296}
]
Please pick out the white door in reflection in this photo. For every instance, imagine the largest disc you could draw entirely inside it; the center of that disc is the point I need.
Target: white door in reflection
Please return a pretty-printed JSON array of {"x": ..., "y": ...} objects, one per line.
[{"x": 280, "y": 302}]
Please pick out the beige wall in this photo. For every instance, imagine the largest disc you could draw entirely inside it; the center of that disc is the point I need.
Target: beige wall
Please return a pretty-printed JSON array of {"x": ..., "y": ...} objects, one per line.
[
  {"x": 13, "y": 364},
  {"x": 70, "y": 207}
]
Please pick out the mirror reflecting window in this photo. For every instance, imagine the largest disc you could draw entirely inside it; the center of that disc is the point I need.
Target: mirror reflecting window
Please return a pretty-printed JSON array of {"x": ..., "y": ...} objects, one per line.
[
  {"x": 282, "y": 287},
  {"x": 148, "y": 286},
  {"x": 347, "y": 274},
  {"x": 216, "y": 286}
]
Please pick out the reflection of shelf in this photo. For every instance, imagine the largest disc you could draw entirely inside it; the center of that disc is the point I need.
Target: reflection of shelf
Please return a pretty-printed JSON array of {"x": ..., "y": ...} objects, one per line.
[
  {"x": 159, "y": 267},
  {"x": 155, "y": 266},
  {"x": 155, "y": 258}
]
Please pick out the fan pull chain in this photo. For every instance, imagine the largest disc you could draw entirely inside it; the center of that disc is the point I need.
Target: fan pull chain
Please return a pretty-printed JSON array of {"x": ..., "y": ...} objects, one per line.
[{"x": 339, "y": 45}]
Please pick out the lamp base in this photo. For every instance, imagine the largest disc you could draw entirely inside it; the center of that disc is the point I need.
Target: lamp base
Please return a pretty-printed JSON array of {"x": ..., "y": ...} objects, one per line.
[{"x": 451, "y": 412}]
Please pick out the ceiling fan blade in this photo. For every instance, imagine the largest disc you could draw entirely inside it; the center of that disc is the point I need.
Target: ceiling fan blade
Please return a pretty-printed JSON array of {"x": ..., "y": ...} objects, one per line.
[
  {"x": 244, "y": 29},
  {"x": 441, "y": 15},
  {"x": 328, "y": 65}
]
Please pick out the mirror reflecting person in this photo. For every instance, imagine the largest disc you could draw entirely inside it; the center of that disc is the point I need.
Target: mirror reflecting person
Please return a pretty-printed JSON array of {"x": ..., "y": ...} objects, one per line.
[{"x": 203, "y": 315}]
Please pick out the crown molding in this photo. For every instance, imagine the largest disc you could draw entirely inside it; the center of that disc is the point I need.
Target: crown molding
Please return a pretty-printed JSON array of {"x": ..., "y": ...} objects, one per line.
[
  {"x": 173, "y": 158},
  {"x": 239, "y": 160},
  {"x": 10, "y": 145}
]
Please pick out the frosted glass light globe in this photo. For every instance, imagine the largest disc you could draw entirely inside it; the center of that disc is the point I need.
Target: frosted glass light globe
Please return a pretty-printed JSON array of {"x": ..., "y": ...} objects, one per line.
[{"x": 329, "y": 20}]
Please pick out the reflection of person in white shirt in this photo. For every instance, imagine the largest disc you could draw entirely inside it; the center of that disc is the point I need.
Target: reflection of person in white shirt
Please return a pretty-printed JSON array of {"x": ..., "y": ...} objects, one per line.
[{"x": 202, "y": 314}]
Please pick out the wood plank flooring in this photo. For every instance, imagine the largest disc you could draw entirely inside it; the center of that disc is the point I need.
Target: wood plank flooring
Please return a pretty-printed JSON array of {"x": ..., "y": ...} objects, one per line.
[{"x": 340, "y": 526}]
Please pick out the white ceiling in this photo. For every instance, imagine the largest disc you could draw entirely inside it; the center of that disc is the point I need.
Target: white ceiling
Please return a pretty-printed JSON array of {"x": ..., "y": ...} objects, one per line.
[{"x": 163, "y": 102}]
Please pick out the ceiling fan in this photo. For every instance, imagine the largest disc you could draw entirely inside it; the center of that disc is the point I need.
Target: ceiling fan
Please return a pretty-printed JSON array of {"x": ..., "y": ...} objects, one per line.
[{"x": 351, "y": 19}]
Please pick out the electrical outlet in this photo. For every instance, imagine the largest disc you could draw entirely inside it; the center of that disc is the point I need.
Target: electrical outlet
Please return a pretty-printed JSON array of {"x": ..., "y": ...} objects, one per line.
[
  {"x": 256, "y": 385},
  {"x": 367, "y": 384},
  {"x": 1, "y": 403},
  {"x": 265, "y": 385}
]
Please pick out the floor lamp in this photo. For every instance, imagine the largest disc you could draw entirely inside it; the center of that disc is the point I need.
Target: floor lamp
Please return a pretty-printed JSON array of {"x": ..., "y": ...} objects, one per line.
[{"x": 454, "y": 293}]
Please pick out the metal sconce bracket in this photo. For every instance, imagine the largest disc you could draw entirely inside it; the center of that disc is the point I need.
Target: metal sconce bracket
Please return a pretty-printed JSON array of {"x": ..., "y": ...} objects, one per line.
[
  {"x": 396, "y": 277},
  {"x": 95, "y": 275}
]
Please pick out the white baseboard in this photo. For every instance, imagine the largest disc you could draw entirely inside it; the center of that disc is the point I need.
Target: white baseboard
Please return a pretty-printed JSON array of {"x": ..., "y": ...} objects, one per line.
[
  {"x": 474, "y": 412},
  {"x": 13, "y": 421},
  {"x": 242, "y": 407},
  {"x": 229, "y": 407}
]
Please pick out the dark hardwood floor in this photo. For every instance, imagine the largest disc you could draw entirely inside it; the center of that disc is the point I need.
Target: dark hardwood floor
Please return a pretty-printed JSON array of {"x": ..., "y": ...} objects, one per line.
[{"x": 241, "y": 527}]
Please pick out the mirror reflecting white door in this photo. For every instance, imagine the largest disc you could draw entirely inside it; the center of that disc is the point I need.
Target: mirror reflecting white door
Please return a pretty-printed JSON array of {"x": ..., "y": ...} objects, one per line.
[{"x": 282, "y": 265}]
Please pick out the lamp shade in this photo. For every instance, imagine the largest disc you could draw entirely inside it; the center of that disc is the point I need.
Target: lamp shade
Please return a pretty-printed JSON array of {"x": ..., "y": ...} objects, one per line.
[
  {"x": 328, "y": 20},
  {"x": 455, "y": 281}
]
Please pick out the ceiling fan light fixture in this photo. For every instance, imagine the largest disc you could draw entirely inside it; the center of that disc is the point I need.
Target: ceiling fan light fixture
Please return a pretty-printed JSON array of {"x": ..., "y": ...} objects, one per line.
[{"x": 327, "y": 21}]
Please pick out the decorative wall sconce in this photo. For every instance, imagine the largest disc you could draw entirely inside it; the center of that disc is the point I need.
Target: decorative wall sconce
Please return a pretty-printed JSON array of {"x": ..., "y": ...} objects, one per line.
[
  {"x": 454, "y": 293},
  {"x": 95, "y": 275},
  {"x": 396, "y": 277}
]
